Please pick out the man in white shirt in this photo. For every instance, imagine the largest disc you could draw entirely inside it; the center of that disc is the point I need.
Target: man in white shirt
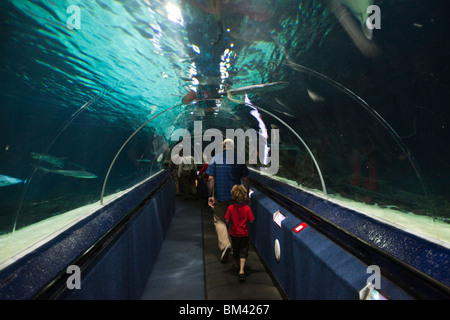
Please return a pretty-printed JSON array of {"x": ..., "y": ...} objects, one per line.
[{"x": 187, "y": 174}]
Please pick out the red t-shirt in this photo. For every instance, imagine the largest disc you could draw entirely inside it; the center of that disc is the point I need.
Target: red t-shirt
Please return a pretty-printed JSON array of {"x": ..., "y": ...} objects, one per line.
[
  {"x": 238, "y": 215},
  {"x": 203, "y": 169}
]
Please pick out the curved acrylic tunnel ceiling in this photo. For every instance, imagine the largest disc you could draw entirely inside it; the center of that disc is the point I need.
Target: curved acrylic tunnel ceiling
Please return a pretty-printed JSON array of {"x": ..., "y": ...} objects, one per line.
[{"x": 101, "y": 102}]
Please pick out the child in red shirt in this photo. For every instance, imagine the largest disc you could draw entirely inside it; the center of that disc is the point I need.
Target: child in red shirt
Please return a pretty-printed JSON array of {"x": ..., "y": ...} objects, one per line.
[{"x": 239, "y": 214}]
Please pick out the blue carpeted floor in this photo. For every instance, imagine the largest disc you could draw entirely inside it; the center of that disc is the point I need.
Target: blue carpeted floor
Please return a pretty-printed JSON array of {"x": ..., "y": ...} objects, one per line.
[{"x": 178, "y": 271}]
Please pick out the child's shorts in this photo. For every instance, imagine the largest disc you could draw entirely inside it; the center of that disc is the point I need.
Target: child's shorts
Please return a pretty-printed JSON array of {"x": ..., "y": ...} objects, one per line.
[{"x": 240, "y": 246}]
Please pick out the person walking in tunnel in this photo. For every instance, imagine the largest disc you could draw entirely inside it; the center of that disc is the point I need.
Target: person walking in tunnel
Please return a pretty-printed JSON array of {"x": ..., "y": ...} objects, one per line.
[
  {"x": 174, "y": 168},
  {"x": 224, "y": 172},
  {"x": 239, "y": 214},
  {"x": 187, "y": 175}
]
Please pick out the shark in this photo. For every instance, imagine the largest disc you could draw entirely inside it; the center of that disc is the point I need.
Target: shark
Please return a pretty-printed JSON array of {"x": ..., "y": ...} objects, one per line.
[
  {"x": 257, "y": 88},
  {"x": 6, "y": 181},
  {"x": 359, "y": 10},
  {"x": 57, "y": 162},
  {"x": 81, "y": 174}
]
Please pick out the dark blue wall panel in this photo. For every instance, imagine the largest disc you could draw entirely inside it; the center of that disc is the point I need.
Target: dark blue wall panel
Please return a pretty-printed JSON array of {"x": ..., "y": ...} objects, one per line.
[
  {"x": 311, "y": 266},
  {"x": 122, "y": 268},
  {"x": 426, "y": 256},
  {"x": 121, "y": 272}
]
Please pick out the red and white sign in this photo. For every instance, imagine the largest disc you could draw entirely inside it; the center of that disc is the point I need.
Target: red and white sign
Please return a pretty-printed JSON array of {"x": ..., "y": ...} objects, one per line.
[{"x": 300, "y": 227}]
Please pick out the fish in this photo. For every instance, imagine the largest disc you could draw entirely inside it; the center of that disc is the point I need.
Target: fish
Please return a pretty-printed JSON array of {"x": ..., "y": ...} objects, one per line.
[
  {"x": 189, "y": 97},
  {"x": 6, "y": 181},
  {"x": 57, "y": 162},
  {"x": 69, "y": 173},
  {"x": 257, "y": 88},
  {"x": 315, "y": 97},
  {"x": 359, "y": 10}
]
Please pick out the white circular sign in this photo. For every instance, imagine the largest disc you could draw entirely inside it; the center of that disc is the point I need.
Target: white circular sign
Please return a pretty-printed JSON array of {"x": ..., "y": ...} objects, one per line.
[{"x": 277, "y": 250}]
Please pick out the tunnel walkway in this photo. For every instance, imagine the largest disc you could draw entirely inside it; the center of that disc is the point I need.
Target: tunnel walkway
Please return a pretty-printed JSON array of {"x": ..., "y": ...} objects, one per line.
[
  {"x": 188, "y": 266},
  {"x": 178, "y": 270}
]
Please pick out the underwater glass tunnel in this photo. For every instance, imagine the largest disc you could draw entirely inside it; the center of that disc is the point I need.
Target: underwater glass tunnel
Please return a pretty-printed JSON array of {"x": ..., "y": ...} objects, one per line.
[{"x": 92, "y": 93}]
